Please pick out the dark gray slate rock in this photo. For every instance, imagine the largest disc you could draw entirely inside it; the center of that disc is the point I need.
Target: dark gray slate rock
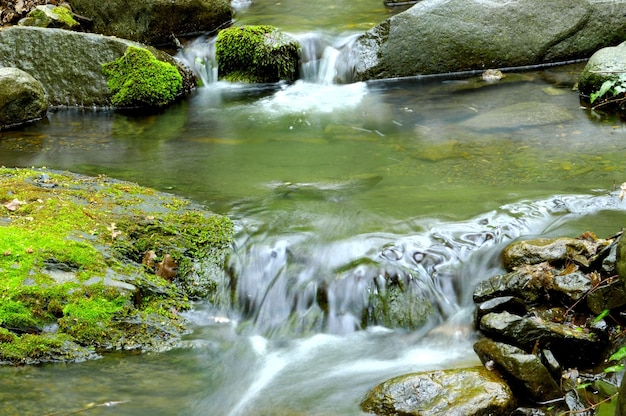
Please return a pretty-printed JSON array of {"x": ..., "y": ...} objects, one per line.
[
  {"x": 69, "y": 64},
  {"x": 524, "y": 372},
  {"x": 571, "y": 345},
  {"x": 22, "y": 98},
  {"x": 154, "y": 22},
  {"x": 529, "y": 283},
  {"x": 439, "y": 36},
  {"x": 462, "y": 392},
  {"x": 610, "y": 295}
]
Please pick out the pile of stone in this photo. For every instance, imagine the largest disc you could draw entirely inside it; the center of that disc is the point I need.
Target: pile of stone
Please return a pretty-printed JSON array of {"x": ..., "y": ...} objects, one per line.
[
  {"x": 546, "y": 329},
  {"x": 550, "y": 320}
]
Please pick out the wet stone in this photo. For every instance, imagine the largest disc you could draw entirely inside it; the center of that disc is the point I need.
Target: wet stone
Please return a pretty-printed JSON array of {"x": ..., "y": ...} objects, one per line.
[
  {"x": 527, "y": 283},
  {"x": 571, "y": 345},
  {"x": 522, "y": 370},
  {"x": 461, "y": 392},
  {"x": 500, "y": 304},
  {"x": 574, "y": 285},
  {"x": 607, "y": 296},
  {"x": 549, "y": 250}
]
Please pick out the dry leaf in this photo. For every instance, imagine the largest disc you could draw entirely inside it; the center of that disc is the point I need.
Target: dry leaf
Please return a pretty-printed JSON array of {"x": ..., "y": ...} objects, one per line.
[
  {"x": 14, "y": 205},
  {"x": 166, "y": 269}
]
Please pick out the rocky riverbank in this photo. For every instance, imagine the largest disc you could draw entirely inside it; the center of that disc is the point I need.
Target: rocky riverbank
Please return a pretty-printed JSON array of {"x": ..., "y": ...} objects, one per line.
[{"x": 549, "y": 330}]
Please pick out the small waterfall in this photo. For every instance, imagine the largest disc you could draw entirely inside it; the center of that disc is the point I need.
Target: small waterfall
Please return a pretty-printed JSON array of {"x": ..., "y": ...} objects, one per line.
[
  {"x": 199, "y": 56},
  {"x": 294, "y": 283},
  {"x": 321, "y": 58}
]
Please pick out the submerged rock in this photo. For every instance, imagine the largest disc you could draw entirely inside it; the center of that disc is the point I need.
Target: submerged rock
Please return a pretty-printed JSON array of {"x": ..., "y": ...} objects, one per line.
[
  {"x": 22, "y": 98},
  {"x": 463, "y": 392},
  {"x": 524, "y": 114}
]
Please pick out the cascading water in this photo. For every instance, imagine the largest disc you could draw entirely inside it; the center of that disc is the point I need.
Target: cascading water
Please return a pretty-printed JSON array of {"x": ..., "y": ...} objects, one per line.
[
  {"x": 321, "y": 58},
  {"x": 299, "y": 283}
]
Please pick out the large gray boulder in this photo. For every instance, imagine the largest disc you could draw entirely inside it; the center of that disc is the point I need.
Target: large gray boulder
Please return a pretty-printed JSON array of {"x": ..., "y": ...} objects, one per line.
[
  {"x": 154, "y": 22},
  {"x": 440, "y": 36},
  {"x": 69, "y": 64},
  {"x": 22, "y": 98}
]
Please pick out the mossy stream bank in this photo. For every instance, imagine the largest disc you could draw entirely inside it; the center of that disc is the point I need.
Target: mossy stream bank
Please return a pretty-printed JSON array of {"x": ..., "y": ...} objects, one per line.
[{"x": 92, "y": 264}]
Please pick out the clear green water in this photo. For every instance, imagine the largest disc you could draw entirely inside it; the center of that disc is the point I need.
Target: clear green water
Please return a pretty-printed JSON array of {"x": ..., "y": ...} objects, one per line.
[{"x": 333, "y": 173}]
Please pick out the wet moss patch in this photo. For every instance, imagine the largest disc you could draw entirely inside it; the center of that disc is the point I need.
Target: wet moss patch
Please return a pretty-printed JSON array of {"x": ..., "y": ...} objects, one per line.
[{"x": 74, "y": 278}]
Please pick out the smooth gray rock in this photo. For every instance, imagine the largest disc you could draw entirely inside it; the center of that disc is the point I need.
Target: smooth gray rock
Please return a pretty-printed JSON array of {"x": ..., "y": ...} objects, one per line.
[
  {"x": 604, "y": 65},
  {"x": 69, "y": 64},
  {"x": 440, "y": 36},
  {"x": 22, "y": 98}
]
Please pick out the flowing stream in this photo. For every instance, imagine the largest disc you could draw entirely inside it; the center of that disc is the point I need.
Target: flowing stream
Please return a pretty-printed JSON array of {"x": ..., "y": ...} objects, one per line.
[{"x": 332, "y": 186}]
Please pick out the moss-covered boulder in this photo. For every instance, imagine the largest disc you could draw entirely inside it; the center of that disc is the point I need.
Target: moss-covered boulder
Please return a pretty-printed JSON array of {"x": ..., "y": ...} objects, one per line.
[
  {"x": 69, "y": 64},
  {"x": 155, "y": 22},
  {"x": 22, "y": 98},
  {"x": 89, "y": 265},
  {"x": 256, "y": 54},
  {"x": 139, "y": 79},
  {"x": 50, "y": 16}
]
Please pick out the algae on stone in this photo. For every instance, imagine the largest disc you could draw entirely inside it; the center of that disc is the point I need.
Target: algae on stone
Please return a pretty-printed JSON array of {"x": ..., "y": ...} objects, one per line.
[
  {"x": 138, "y": 79},
  {"x": 69, "y": 289},
  {"x": 256, "y": 54}
]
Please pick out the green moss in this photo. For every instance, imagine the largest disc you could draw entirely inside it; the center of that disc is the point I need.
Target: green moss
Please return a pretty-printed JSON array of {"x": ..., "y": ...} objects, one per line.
[
  {"x": 65, "y": 16},
  {"x": 256, "y": 54},
  {"x": 58, "y": 244},
  {"x": 139, "y": 79}
]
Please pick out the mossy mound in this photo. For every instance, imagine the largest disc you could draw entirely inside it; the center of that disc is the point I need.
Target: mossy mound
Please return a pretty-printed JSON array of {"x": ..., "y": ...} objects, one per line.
[
  {"x": 138, "y": 79},
  {"x": 256, "y": 54},
  {"x": 93, "y": 264}
]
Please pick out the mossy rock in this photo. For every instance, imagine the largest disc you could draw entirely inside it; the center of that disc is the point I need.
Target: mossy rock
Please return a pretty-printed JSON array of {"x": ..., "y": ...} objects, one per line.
[
  {"x": 605, "y": 65},
  {"x": 256, "y": 54},
  {"x": 138, "y": 79},
  {"x": 72, "y": 288},
  {"x": 50, "y": 16}
]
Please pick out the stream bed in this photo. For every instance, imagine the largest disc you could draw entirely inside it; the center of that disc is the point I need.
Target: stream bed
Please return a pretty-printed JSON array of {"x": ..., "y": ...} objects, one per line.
[{"x": 433, "y": 176}]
